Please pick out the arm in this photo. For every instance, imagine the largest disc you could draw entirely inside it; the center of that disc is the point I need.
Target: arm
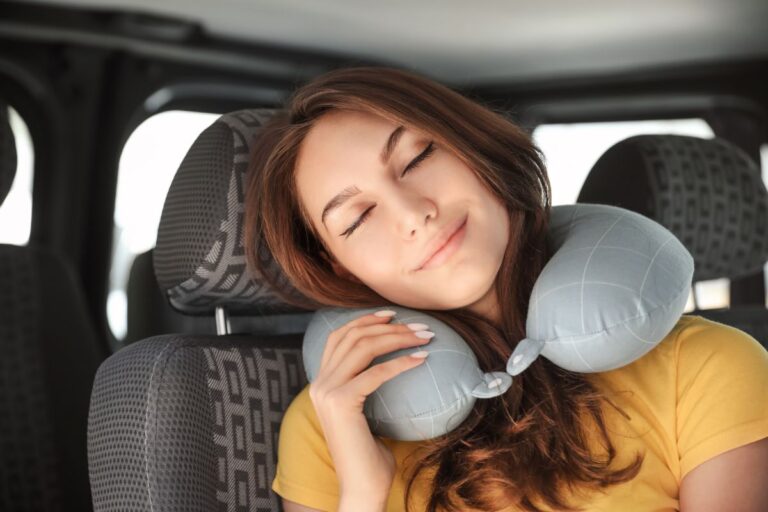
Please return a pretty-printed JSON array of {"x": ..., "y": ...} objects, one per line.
[{"x": 734, "y": 480}]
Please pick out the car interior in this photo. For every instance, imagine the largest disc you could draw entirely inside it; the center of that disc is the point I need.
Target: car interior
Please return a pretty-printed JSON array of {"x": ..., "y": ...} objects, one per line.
[{"x": 142, "y": 367}]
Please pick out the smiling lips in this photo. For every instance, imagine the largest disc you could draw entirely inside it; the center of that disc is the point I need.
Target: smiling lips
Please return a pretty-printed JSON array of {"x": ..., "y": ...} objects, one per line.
[{"x": 447, "y": 247}]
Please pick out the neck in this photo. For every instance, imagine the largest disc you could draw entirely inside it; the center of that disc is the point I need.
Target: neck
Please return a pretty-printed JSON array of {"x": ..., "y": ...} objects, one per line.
[{"x": 488, "y": 307}]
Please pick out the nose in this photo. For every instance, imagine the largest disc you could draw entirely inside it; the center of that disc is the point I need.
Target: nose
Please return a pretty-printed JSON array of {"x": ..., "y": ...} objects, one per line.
[{"x": 413, "y": 211}]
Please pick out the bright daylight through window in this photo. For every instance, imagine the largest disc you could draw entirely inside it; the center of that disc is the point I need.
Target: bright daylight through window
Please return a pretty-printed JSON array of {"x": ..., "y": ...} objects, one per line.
[
  {"x": 148, "y": 163},
  {"x": 16, "y": 210}
]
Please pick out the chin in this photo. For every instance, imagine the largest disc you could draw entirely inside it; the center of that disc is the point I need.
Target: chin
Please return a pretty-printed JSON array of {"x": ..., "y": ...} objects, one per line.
[{"x": 451, "y": 299}]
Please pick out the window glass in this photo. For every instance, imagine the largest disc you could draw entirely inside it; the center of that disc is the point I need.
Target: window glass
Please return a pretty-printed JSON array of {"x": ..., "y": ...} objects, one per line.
[
  {"x": 570, "y": 150},
  {"x": 149, "y": 160},
  {"x": 16, "y": 210}
]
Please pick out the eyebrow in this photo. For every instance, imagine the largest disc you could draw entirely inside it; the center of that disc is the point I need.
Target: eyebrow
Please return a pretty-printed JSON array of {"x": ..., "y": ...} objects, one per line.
[{"x": 386, "y": 153}]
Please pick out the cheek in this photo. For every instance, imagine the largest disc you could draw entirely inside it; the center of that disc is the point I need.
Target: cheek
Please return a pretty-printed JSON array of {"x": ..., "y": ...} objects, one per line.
[
  {"x": 373, "y": 262},
  {"x": 492, "y": 220}
]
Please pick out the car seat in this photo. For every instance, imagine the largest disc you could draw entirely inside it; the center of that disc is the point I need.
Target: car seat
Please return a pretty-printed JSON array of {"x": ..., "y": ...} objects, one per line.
[
  {"x": 49, "y": 353},
  {"x": 190, "y": 421},
  {"x": 709, "y": 193},
  {"x": 149, "y": 312}
]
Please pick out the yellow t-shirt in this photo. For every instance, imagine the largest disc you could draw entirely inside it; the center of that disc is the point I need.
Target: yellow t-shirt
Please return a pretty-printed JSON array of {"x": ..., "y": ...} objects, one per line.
[{"x": 703, "y": 390}]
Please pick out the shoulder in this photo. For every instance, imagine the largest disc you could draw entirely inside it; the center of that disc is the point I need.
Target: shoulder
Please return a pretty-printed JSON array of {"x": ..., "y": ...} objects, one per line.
[
  {"x": 300, "y": 413},
  {"x": 300, "y": 430},
  {"x": 721, "y": 388},
  {"x": 301, "y": 402},
  {"x": 705, "y": 345},
  {"x": 305, "y": 472}
]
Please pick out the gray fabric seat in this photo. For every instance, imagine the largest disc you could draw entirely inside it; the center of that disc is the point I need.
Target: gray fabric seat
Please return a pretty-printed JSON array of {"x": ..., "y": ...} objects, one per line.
[
  {"x": 189, "y": 421},
  {"x": 708, "y": 193},
  {"x": 149, "y": 312},
  {"x": 49, "y": 353}
]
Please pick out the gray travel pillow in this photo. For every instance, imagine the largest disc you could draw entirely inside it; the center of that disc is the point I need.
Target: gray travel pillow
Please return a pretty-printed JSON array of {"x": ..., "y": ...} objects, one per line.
[{"x": 615, "y": 286}]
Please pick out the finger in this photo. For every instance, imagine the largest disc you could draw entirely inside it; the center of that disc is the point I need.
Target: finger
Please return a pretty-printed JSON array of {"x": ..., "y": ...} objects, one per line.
[
  {"x": 365, "y": 350},
  {"x": 353, "y": 337},
  {"x": 371, "y": 379},
  {"x": 337, "y": 335}
]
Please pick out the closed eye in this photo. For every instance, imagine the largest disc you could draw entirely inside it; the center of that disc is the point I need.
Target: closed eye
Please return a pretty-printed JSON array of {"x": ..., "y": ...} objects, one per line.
[{"x": 414, "y": 163}]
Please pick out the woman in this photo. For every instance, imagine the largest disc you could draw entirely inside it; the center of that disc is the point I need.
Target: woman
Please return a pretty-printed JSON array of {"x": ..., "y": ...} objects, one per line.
[{"x": 378, "y": 186}]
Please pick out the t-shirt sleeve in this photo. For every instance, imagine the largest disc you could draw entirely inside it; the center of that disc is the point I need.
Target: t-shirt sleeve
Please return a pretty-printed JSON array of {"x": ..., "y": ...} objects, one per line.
[
  {"x": 722, "y": 392},
  {"x": 305, "y": 472}
]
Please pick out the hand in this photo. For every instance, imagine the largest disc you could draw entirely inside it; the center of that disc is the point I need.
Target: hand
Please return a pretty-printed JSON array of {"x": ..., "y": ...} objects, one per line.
[{"x": 364, "y": 464}]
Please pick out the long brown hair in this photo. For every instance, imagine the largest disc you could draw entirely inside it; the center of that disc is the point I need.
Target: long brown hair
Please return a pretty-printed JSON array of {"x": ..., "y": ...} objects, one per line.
[{"x": 513, "y": 449}]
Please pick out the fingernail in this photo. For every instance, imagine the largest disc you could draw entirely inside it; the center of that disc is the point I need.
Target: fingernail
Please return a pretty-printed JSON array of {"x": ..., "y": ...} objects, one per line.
[
  {"x": 421, "y": 354},
  {"x": 424, "y": 334},
  {"x": 417, "y": 327},
  {"x": 385, "y": 312}
]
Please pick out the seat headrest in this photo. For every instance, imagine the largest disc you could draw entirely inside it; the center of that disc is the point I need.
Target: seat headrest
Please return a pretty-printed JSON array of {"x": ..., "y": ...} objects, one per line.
[
  {"x": 7, "y": 153},
  {"x": 199, "y": 257},
  {"x": 708, "y": 192}
]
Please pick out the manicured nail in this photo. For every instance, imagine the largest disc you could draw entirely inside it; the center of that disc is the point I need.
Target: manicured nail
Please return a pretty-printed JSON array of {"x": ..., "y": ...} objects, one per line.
[
  {"x": 385, "y": 312},
  {"x": 421, "y": 354},
  {"x": 424, "y": 334},
  {"x": 417, "y": 327}
]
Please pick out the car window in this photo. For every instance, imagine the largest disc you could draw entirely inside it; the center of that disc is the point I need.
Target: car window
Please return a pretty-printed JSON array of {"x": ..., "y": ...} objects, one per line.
[
  {"x": 16, "y": 210},
  {"x": 148, "y": 162},
  {"x": 571, "y": 149}
]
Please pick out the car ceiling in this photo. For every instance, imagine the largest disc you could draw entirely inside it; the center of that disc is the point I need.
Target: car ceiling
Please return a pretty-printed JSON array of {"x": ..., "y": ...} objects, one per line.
[{"x": 486, "y": 41}]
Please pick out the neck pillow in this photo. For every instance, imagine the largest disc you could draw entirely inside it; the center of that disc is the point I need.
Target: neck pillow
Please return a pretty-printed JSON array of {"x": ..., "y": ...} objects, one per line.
[{"x": 615, "y": 286}]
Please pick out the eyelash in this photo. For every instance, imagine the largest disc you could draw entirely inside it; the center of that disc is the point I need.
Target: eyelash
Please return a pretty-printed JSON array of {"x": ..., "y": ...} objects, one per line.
[{"x": 414, "y": 163}]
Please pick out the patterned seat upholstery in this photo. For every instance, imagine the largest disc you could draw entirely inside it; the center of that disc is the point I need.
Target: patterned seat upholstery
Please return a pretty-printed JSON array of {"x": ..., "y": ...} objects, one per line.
[
  {"x": 149, "y": 312},
  {"x": 190, "y": 422},
  {"x": 709, "y": 193}
]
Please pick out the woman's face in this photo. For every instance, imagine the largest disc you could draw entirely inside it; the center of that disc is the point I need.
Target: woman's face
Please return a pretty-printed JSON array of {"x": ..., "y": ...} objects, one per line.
[{"x": 408, "y": 213}]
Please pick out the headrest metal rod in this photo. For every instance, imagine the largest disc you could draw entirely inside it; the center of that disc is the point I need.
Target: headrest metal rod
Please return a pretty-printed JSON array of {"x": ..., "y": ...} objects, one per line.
[{"x": 222, "y": 321}]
